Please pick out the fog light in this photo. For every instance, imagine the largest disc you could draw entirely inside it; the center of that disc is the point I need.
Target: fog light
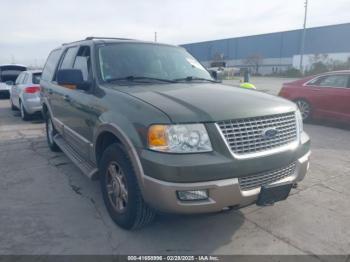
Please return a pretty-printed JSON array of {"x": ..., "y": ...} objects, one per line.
[{"x": 192, "y": 195}]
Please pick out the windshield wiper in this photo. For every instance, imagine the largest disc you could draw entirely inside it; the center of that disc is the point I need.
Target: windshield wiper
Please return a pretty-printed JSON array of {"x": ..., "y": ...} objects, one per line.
[
  {"x": 192, "y": 78},
  {"x": 133, "y": 78}
]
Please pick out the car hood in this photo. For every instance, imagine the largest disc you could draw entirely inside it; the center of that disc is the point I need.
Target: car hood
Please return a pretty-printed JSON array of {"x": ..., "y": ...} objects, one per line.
[{"x": 208, "y": 102}]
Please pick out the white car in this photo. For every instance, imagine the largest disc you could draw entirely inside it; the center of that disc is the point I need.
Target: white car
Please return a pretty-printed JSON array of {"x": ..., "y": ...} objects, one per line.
[
  {"x": 8, "y": 75},
  {"x": 25, "y": 94}
]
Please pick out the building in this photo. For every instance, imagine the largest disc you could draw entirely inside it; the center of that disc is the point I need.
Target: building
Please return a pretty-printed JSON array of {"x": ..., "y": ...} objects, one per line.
[{"x": 276, "y": 52}]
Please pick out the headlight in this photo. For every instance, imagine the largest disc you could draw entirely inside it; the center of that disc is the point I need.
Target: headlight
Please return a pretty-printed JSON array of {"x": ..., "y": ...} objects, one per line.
[
  {"x": 299, "y": 121},
  {"x": 191, "y": 138}
]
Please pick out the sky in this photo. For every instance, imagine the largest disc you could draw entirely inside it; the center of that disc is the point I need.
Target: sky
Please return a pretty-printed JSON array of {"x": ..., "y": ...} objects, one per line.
[{"x": 30, "y": 29}]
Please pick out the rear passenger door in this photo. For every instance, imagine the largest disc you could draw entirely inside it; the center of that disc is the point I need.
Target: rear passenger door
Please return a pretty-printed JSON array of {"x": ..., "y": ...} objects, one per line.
[
  {"x": 60, "y": 96},
  {"x": 49, "y": 89}
]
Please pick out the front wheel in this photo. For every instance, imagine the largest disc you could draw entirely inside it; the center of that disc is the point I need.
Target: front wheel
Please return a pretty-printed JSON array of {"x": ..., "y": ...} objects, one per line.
[
  {"x": 120, "y": 190},
  {"x": 305, "y": 109}
]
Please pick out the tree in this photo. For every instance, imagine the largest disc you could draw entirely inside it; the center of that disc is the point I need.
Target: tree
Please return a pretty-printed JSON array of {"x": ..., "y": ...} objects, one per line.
[
  {"x": 321, "y": 63},
  {"x": 255, "y": 61},
  {"x": 319, "y": 58}
]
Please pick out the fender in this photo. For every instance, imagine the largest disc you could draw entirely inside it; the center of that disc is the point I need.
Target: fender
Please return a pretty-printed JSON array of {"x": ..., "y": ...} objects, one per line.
[{"x": 131, "y": 150}]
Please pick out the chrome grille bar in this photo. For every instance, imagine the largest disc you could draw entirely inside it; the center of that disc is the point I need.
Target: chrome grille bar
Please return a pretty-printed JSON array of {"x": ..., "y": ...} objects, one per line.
[
  {"x": 258, "y": 180},
  {"x": 245, "y": 136}
]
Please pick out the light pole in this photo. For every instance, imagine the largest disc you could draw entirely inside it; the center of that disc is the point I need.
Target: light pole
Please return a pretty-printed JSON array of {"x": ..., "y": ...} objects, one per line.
[{"x": 302, "y": 44}]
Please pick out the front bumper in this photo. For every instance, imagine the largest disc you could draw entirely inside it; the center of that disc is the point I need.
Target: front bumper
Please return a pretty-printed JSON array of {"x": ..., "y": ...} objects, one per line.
[{"x": 162, "y": 195}]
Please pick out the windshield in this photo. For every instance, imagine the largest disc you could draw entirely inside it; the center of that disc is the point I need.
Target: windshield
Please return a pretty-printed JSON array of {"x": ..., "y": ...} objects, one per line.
[{"x": 139, "y": 60}]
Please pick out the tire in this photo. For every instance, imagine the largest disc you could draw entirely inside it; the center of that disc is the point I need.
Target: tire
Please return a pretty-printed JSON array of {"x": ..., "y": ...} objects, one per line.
[
  {"x": 119, "y": 185},
  {"x": 50, "y": 133},
  {"x": 305, "y": 109},
  {"x": 24, "y": 115},
  {"x": 13, "y": 108}
]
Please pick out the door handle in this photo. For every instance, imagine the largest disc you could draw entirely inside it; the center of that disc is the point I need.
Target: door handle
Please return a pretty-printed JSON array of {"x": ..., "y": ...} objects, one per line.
[
  {"x": 315, "y": 89},
  {"x": 66, "y": 98}
]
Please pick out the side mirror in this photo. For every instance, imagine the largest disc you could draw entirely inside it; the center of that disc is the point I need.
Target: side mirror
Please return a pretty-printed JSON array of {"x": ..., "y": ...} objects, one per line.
[
  {"x": 72, "y": 79},
  {"x": 217, "y": 75},
  {"x": 9, "y": 83}
]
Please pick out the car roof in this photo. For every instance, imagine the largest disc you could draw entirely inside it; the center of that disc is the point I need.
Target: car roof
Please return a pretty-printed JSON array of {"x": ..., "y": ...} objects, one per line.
[
  {"x": 335, "y": 72},
  {"x": 3, "y": 65},
  {"x": 107, "y": 40}
]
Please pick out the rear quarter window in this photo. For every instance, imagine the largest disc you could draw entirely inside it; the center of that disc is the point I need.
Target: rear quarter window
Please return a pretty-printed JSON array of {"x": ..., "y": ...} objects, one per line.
[
  {"x": 19, "y": 79},
  {"x": 25, "y": 79},
  {"x": 51, "y": 64}
]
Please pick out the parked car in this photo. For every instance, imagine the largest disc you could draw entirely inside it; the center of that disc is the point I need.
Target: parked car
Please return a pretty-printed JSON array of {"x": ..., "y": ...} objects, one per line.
[
  {"x": 324, "y": 96},
  {"x": 8, "y": 75},
  {"x": 25, "y": 94},
  {"x": 160, "y": 133}
]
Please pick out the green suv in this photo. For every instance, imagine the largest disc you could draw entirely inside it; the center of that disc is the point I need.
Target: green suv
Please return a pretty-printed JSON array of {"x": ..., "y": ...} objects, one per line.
[{"x": 162, "y": 134}]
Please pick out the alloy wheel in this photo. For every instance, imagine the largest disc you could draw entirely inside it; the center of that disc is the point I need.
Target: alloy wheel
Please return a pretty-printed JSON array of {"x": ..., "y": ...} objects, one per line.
[
  {"x": 116, "y": 187},
  {"x": 304, "y": 108}
]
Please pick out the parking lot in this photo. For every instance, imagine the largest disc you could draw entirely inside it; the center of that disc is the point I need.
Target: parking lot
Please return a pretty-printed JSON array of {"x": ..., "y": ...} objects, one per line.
[
  {"x": 47, "y": 206},
  {"x": 269, "y": 85}
]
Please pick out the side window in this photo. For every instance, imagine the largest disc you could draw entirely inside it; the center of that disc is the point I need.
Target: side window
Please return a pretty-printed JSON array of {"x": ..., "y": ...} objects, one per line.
[
  {"x": 25, "y": 78},
  {"x": 83, "y": 62},
  {"x": 19, "y": 79},
  {"x": 68, "y": 59},
  {"x": 51, "y": 64},
  {"x": 334, "y": 81},
  {"x": 315, "y": 81}
]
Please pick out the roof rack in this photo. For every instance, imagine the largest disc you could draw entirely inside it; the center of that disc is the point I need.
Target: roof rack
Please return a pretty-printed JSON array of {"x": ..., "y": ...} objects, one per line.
[
  {"x": 73, "y": 42},
  {"x": 116, "y": 38},
  {"x": 94, "y": 37}
]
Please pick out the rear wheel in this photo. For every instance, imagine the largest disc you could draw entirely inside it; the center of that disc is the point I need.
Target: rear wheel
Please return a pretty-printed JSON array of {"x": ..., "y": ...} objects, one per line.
[
  {"x": 50, "y": 134},
  {"x": 305, "y": 109},
  {"x": 24, "y": 115},
  {"x": 120, "y": 190}
]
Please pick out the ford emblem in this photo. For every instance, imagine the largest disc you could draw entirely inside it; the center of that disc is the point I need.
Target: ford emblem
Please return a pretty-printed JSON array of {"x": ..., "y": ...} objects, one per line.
[{"x": 269, "y": 133}]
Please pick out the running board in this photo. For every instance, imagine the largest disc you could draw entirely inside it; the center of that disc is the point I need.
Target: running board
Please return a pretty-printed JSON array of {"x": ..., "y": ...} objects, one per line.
[{"x": 86, "y": 167}]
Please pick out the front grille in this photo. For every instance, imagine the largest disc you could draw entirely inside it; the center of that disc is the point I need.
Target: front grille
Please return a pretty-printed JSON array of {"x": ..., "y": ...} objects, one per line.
[
  {"x": 245, "y": 136},
  {"x": 265, "y": 178}
]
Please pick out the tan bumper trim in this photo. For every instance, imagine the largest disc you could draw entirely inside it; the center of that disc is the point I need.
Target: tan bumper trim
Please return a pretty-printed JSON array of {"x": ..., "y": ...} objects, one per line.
[{"x": 161, "y": 195}]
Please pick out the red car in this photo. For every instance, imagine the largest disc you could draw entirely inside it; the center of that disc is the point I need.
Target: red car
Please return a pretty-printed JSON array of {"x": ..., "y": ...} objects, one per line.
[{"x": 325, "y": 96}]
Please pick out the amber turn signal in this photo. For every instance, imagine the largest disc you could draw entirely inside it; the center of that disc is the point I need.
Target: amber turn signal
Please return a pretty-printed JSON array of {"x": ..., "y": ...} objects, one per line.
[{"x": 157, "y": 136}]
